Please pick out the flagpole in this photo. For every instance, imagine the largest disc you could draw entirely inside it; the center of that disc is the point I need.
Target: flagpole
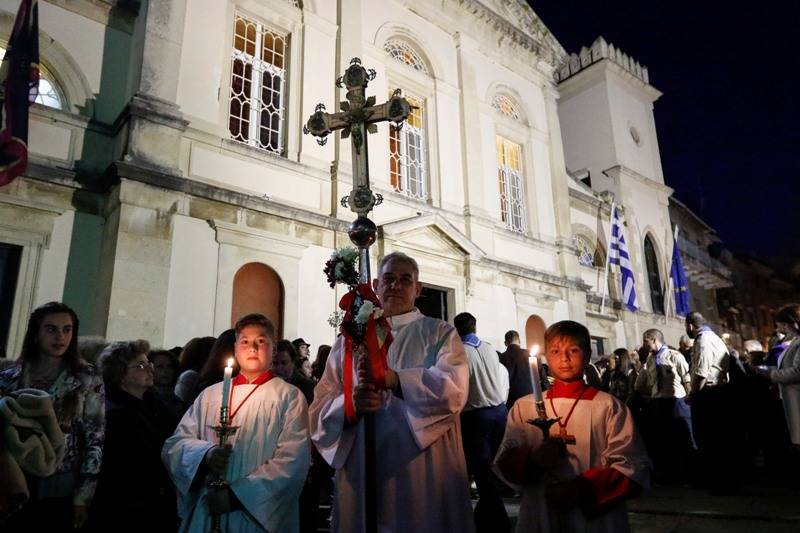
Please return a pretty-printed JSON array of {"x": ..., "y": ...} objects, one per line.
[
  {"x": 608, "y": 258},
  {"x": 675, "y": 248},
  {"x": 668, "y": 281}
]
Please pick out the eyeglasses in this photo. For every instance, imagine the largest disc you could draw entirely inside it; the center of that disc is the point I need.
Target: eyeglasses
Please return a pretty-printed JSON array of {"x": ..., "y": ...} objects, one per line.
[{"x": 143, "y": 365}]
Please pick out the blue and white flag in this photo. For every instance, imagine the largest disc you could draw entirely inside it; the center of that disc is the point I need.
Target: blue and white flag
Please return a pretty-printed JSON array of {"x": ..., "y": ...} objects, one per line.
[
  {"x": 619, "y": 256},
  {"x": 680, "y": 286}
]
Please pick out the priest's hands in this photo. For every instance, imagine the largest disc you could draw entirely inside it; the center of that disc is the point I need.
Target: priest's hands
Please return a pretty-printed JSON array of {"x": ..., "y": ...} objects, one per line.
[
  {"x": 218, "y": 500},
  {"x": 549, "y": 454},
  {"x": 217, "y": 459},
  {"x": 366, "y": 397}
]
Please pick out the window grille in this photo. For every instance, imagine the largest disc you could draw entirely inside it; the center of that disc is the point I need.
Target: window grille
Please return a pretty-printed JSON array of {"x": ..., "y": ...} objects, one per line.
[
  {"x": 589, "y": 254},
  {"x": 509, "y": 170},
  {"x": 258, "y": 76},
  {"x": 585, "y": 251},
  {"x": 506, "y": 106},
  {"x": 403, "y": 52},
  {"x": 48, "y": 92},
  {"x": 407, "y": 154}
]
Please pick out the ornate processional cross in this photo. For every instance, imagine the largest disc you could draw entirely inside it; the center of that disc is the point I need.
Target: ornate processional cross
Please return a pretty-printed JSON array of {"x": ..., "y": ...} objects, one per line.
[{"x": 357, "y": 117}]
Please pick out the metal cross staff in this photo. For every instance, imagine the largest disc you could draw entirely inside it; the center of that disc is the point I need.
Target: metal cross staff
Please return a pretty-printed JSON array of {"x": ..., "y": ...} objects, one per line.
[{"x": 357, "y": 117}]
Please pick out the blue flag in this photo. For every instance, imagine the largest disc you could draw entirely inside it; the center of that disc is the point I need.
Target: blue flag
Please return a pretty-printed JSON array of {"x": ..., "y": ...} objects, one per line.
[
  {"x": 680, "y": 286},
  {"x": 618, "y": 255}
]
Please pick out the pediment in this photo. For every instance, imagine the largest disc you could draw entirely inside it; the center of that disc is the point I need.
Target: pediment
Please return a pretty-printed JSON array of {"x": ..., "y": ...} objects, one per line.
[{"x": 432, "y": 234}]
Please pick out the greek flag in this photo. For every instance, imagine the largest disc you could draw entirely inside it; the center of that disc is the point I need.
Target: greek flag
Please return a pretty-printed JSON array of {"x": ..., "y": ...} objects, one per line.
[{"x": 619, "y": 256}]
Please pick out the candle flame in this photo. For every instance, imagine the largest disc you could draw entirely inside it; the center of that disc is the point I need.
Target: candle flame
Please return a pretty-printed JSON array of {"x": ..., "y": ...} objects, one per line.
[
  {"x": 230, "y": 362},
  {"x": 534, "y": 350}
]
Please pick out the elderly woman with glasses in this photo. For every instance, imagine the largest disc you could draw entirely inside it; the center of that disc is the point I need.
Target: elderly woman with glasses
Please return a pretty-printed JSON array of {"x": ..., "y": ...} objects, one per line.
[{"x": 134, "y": 489}]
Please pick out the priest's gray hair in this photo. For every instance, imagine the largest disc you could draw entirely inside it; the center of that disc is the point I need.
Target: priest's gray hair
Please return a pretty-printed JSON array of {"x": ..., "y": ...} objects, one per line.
[{"x": 399, "y": 257}]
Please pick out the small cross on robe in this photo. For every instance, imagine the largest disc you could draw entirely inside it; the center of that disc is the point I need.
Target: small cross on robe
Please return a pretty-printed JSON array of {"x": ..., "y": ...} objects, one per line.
[{"x": 565, "y": 437}]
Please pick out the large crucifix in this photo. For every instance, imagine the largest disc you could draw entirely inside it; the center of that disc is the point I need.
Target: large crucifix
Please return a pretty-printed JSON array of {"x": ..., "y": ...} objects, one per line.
[{"x": 358, "y": 116}]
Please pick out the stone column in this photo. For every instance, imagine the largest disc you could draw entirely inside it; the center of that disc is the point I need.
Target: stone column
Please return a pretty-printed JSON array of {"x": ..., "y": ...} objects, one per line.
[
  {"x": 156, "y": 122},
  {"x": 471, "y": 140},
  {"x": 568, "y": 261}
]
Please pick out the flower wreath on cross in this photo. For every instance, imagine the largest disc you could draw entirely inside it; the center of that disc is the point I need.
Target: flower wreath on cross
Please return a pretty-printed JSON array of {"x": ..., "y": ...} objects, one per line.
[{"x": 363, "y": 323}]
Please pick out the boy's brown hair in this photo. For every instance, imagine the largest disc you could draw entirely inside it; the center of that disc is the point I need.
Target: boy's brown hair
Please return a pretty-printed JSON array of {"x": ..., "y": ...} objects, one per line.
[
  {"x": 572, "y": 330},
  {"x": 256, "y": 319}
]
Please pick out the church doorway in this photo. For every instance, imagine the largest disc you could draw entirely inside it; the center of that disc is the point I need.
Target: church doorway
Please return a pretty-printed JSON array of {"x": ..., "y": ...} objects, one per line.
[
  {"x": 534, "y": 332},
  {"x": 258, "y": 289},
  {"x": 432, "y": 302}
]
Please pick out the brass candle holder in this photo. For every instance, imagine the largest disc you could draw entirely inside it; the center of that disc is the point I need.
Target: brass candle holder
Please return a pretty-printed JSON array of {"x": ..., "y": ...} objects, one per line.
[{"x": 223, "y": 430}]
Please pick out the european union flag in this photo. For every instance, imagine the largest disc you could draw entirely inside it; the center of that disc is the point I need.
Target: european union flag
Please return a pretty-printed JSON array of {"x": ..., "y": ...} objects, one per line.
[{"x": 680, "y": 286}]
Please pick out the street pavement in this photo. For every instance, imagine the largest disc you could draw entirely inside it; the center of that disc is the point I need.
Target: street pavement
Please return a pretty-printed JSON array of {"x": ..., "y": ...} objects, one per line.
[{"x": 757, "y": 508}]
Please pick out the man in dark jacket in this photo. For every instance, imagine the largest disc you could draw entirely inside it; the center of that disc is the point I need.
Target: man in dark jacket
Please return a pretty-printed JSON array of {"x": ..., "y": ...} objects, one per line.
[{"x": 515, "y": 360}]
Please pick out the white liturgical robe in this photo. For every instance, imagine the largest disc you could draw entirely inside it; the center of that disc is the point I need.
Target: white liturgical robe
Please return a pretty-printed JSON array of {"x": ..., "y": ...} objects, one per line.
[
  {"x": 421, "y": 474},
  {"x": 608, "y": 454},
  {"x": 267, "y": 469}
]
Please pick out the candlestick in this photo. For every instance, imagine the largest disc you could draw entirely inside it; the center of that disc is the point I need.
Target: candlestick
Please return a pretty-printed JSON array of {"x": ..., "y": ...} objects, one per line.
[
  {"x": 226, "y": 390},
  {"x": 536, "y": 382}
]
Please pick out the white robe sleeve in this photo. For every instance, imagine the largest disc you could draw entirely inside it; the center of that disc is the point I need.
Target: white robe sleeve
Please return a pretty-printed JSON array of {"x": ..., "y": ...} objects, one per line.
[
  {"x": 326, "y": 413},
  {"x": 624, "y": 450},
  {"x": 431, "y": 396},
  {"x": 184, "y": 451},
  {"x": 277, "y": 483}
]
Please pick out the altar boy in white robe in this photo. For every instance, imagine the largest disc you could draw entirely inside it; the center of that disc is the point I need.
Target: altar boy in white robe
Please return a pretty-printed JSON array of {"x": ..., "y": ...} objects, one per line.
[
  {"x": 267, "y": 459},
  {"x": 577, "y": 479},
  {"x": 422, "y": 481}
]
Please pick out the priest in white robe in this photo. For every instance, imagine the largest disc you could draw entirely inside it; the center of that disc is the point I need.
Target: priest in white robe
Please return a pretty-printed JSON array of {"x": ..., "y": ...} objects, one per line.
[
  {"x": 268, "y": 457},
  {"x": 578, "y": 479},
  {"x": 422, "y": 480}
]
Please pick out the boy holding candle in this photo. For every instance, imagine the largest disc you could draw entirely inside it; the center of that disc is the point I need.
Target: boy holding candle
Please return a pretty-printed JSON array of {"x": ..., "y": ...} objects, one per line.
[
  {"x": 267, "y": 458},
  {"x": 576, "y": 477}
]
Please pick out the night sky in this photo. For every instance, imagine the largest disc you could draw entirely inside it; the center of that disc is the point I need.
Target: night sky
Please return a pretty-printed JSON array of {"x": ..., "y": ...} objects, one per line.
[{"x": 728, "y": 119}]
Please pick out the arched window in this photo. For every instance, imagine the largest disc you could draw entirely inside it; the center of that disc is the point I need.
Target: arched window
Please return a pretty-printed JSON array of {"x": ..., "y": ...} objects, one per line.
[
  {"x": 509, "y": 173},
  {"x": 403, "y": 52},
  {"x": 506, "y": 106},
  {"x": 408, "y": 146},
  {"x": 653, "y": 277},
  {"x": 590, "y": 254},
  {"x": 49, "y": 93},
  {"x": 258, "y": 289}
]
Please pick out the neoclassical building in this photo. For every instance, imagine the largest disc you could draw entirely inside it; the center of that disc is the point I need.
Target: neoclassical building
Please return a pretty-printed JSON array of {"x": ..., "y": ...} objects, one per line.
[{"x": 171, "y": 188}]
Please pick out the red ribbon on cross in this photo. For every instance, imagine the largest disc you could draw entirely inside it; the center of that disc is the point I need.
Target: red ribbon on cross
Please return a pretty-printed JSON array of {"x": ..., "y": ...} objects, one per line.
[{"x": 377, "y": 339}]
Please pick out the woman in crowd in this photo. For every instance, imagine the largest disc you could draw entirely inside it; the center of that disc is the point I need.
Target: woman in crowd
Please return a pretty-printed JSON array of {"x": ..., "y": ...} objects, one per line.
[
  {"x": 214, "y": 369},
  {"x": 165, "y": 374},
  {"x": 618, "y": 368},
  {"x": 318, "y": 366},
  {"x": 134, "y": 489},
  {"x": 787, "y": 372},
  {"x": 50, "y": 362},
  {"x": 193, "y": 357}
]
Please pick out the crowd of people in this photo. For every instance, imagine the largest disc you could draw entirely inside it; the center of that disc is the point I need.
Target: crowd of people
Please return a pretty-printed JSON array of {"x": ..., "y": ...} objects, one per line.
[{"x": 135, "y": 447}]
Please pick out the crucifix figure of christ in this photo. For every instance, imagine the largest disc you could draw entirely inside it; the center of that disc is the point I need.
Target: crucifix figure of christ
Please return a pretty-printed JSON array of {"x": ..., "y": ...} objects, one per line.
[{"x": 358, "y": 116}]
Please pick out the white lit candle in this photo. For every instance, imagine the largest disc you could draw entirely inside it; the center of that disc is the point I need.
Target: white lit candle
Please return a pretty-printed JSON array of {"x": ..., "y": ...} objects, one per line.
[
  {"x": 226, "y": 383},
  {"x": 534, "y": 366}
]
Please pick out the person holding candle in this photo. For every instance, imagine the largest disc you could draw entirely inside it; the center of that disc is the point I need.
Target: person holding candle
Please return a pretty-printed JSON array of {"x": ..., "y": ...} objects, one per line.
[
  {"x": 267, "y": 459},
  {"x": 576, "y": 477}
]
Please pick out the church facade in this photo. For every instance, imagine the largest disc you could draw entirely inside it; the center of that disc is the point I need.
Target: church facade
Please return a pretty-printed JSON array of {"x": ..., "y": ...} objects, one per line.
[{"x": 171, "y": 188}]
